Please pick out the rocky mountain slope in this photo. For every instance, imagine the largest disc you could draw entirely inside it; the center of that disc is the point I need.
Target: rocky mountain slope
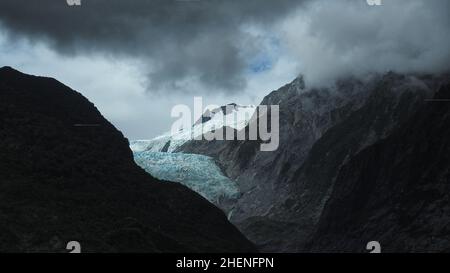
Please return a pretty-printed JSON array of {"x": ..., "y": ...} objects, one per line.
[
  {"x": 392, "y": 101},
  {"x": 321, "y": 129},
  {"x": 397, "y": 191},
  {"x": 67, "y": 174}
]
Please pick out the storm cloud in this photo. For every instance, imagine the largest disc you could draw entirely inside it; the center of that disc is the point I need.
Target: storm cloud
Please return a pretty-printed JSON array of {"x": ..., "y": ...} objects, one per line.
[
  {"x": 178, "y": 41},
  {"x": 214, "y": 42}
]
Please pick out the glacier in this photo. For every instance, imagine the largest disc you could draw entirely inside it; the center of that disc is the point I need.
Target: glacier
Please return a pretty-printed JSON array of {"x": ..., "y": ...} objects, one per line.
[
  {"x": 197, "y": 172},
  {"x": 200, "y": 173}
]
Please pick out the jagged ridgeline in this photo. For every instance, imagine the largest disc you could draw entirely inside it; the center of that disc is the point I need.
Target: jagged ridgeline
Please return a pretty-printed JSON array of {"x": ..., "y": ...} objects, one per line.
[
  {"x": 67, "y": 174},
  {"x": 354, "y": 165}
]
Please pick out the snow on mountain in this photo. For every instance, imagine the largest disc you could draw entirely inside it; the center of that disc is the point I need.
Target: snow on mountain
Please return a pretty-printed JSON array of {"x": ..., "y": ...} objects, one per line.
[
  {"x": 197, "y": 172},
  {"x": 232, "y": 115}
]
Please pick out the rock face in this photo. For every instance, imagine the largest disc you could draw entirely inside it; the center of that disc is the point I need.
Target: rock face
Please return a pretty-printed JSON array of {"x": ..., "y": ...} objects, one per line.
[
  {"x": 397, "y": 191},
  {"x": 304, "y": 115},
  {"x": 67, "y": 174},
  {"x": 321, "y": 129}
]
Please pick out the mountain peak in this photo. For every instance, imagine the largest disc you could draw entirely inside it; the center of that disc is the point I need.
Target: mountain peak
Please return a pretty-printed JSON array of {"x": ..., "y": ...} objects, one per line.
[
  {"x": 5, "y": 69},
  {"x": 299, "y": 82}
]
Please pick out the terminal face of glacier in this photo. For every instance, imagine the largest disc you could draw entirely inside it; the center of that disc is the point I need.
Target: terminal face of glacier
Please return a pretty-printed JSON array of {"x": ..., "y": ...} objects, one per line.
[{"x": 197, "y": 172}]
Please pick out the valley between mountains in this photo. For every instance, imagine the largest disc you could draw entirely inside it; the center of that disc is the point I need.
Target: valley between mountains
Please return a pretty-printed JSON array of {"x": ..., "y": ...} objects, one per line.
[{"x": 366, "y": 159}]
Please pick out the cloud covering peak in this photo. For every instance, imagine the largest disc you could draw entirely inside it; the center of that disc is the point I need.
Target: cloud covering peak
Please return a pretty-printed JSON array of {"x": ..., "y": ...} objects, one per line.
[
  {"x": 137, "y": 59},
  {"x": 332, "y": 39}
]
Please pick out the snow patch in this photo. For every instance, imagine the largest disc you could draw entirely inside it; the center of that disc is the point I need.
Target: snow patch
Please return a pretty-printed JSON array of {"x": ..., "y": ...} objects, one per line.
[{"x": 238, "y": 118}]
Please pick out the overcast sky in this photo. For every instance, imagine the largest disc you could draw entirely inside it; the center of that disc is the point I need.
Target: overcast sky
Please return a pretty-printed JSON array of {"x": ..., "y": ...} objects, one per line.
[{"x": 137, "y": 59}]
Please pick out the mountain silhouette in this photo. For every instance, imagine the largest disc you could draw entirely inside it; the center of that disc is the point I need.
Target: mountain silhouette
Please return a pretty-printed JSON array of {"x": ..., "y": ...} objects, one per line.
[{"x": 67, "y": 174}]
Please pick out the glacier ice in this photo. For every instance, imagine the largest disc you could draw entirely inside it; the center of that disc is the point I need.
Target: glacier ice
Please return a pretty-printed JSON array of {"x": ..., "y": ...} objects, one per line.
[{"x": 198, "y": 172}]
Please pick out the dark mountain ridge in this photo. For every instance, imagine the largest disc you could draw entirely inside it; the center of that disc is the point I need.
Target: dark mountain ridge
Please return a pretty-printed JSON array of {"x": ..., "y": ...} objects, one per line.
[{"x": 67, "y": 174}]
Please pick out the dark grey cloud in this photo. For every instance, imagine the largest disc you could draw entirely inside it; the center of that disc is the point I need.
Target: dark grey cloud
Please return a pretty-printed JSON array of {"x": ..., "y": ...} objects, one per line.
[
  {"x": 207, "y": 41},
  {"x": 177, "y": 40}
]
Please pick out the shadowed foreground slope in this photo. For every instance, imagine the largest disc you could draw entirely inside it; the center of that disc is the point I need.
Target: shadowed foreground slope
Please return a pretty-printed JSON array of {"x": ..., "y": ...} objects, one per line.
[{"x": 67, "y": 174}]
